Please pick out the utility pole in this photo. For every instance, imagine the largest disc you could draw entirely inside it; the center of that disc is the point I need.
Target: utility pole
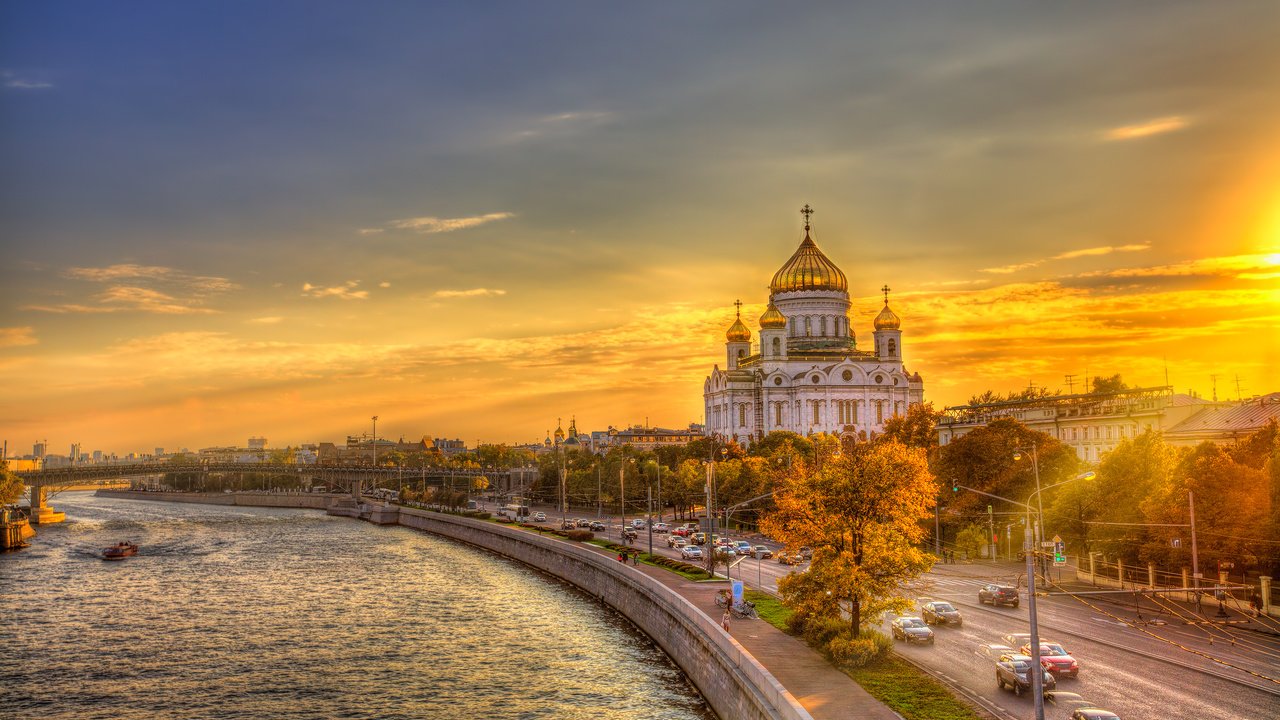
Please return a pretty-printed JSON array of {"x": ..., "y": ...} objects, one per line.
[
  {"x": 991, "y": 529},
  {"x": 649, "y": 502},
  {"x": 1195, "y": 556},
  {"x": 1036, "y": 671},
  {"x": 937, "y": 531},
  {"x": 1071, "y": 384}
]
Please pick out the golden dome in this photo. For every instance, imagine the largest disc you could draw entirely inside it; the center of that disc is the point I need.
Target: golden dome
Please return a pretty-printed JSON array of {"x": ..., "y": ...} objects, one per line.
[
  {"x": 808, "y": 269},
  {"x": 738, "y": 332},
  {"x": 886, "y": 320},
  {"x": 772, "y": 319}
]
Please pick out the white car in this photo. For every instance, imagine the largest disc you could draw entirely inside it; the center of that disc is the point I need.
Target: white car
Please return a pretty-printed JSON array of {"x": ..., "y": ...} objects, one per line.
[
  {"x": 539, "y": 517},
  {"x": 661, "y": 527},
  {"x": 676, "y": 541},
  {"x": 691, "y": 552}
]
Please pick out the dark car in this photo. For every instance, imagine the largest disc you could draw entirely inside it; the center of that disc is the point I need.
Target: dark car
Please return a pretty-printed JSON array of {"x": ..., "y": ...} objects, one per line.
[
  {"x": 1093, "y": 713},
  {"x": 1013, "y": 672},
  {"x": 911, "y": 629},
  {"x": 940, "y": 613},
  {"x": 597, "y": 526},
  {"x": 1055, "y": 659},
  {"x": 998, "y": 595}
]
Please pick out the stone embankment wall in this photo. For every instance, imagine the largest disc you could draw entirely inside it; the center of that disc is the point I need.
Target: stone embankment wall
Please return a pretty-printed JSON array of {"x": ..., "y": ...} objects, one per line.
[{"x": 733, "y": 682}]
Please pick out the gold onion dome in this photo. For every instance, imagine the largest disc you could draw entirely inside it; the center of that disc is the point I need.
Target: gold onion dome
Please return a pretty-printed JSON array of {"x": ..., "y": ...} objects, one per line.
[
  {"x": 738, "y": 332},
  {"x": 772, "y": 319},
  {"x": 808, "y": 269},
  {"x": 887, "y": 320}
]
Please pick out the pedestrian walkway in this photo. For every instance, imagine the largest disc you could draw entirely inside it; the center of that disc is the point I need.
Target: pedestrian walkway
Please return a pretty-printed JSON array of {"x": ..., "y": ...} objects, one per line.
[{"x": 824, "y": 691}]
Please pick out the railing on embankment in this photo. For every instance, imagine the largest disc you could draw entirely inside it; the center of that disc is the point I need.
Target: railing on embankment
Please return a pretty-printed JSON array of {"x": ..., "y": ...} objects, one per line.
[{"x": 732, "y": 681}]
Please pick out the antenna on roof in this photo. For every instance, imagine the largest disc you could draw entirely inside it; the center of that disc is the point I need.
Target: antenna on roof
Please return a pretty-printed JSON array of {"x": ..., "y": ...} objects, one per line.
[
  {"x": 1214, "y": 378},
  {"x": 1070, "y": 380},
  {"x": 1166, "y": 371},
  {"x": 1238, "y": 396}
]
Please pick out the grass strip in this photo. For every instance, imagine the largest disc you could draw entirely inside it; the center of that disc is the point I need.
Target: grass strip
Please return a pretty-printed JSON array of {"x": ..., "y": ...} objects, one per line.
[
  {"x": 909, "y": 691},
  {"x": 770, "y": 609}
]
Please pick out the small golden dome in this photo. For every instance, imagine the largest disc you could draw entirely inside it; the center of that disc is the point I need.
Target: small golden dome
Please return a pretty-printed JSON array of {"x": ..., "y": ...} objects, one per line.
[
  {"x": 808, "y": 269},
  {"x": 886, "y": 320},
  {"x": 772, "y": 319},
  {"x": 738, "y": 332}
]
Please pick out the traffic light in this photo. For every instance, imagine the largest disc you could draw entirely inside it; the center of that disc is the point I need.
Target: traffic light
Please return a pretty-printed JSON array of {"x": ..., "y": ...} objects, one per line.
[{"x": 955, "y": 488}]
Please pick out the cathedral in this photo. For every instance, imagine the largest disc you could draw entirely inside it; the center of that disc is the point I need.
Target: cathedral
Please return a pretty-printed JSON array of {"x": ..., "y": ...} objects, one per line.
[{"x": 806, "y": 373}]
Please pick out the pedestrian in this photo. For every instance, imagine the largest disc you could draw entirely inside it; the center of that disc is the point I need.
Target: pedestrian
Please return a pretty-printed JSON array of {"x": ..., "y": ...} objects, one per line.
[
  {"x": 724, "y": 620},
  {"x": 622, "y": 557},
  {"x": 635, "y": 559},
  {"x": 1255, "y": 603}
]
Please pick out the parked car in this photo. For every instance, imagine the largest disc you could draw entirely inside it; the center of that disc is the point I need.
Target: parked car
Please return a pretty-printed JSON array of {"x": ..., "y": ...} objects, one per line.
[
  {"x": 1093, "y": 713},
  {"x": 760, "y": 552},
  {"x": 910, "y": 629},
  {"x": 1013, "y": 671},
  {"x": 1055, "y": 659},
  {"x": 939, "y": 612},
  {"x": 998, "y": 595},
  {"x": 539, "y": 517},
  {"x": 676, "y": 541},
  {"x": 691, "y": 552}
]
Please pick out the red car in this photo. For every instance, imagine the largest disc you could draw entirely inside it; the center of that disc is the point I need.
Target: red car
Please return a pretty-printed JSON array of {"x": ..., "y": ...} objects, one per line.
[{"x": 1055, "y": 660}]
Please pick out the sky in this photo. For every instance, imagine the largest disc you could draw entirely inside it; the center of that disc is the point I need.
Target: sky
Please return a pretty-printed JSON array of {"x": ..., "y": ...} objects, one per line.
[{"x": 230, "y": 219}]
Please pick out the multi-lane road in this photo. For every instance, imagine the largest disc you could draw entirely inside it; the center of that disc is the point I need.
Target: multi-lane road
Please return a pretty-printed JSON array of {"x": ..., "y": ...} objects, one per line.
[{"x": 1168, "y": 669}]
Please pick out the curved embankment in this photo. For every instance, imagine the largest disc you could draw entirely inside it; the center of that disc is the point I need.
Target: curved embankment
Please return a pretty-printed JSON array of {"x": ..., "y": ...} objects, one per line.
[{"x": 733, "y": 682}]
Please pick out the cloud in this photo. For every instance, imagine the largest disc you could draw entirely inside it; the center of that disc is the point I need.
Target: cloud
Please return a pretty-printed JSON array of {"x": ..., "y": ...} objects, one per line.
[
  {"x": 1157, "y": 126},
  {"x": 269, "y": 320},
  {"x": 143, "y": 288},
  {"x": 1070, "y": 254},
  {"x": 13, "y": 81},
  {"x": 345, "y": 291},
  {"x": 384, "y": 284},
  {"x": 17, "y": 336},
  {"x": 558, "y": 124},
  {"x": 1244, "y": 267},
  {"x": 430, "y": 225},
  {"x": 474, "y": 292}
]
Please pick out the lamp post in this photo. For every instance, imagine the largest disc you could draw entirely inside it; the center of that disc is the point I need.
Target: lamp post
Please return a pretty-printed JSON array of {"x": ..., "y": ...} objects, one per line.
[{"x": 1035, "y": 465}]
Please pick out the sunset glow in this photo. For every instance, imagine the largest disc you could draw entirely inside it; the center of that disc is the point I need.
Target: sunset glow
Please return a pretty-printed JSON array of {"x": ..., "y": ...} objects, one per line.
[{"x": 470, "y": 228}]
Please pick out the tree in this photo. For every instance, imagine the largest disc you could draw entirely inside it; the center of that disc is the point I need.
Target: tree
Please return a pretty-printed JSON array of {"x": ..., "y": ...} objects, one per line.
[
  {"x": 860, "y": 513},
  {"x": 1113, "y": 384},
  {"x": 917, "y": 429},
  {"x": 11, "y": 486},
  {"x": 983, "y": 460},
  {"x": 971, "y": 540}
]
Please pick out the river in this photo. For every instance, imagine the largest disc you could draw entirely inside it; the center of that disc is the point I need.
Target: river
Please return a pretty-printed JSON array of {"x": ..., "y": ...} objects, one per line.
[{"x": 231, "y": 612}]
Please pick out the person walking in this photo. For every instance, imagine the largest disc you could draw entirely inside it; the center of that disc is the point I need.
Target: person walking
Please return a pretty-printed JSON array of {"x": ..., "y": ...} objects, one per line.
[
  {"x": 724, "y": 620},
  {"x": 635, "y": 559}
]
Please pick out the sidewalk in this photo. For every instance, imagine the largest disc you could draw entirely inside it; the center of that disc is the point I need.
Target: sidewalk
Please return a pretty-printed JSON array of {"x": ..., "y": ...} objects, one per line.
[{"x": 824, "y": 691}]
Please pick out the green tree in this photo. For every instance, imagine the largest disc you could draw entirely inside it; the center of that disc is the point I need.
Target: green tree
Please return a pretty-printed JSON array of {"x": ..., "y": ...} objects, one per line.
[
  {"x": 860, "y": 512},
  {"x": 1113, "y": 384},
  {"x": 971, "y": 540},
  {"x": 11, "y": 486},
  {"x": 983, "y": 459}
]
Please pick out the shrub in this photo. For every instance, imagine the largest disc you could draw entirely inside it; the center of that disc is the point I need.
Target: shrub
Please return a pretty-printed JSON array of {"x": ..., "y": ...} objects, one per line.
[
  {"x": 580, "y": 535},
  {"x": 819, "y": 631},
  {"x": 855, "y": 652}
]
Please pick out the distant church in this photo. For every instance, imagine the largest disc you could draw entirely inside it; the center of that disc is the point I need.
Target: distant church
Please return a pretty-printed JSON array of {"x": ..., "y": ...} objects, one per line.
[{"x": 807, "y": 374}]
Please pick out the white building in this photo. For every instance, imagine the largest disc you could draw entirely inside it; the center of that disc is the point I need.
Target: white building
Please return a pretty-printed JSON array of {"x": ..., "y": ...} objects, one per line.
[{"x": 807, "y": 374}]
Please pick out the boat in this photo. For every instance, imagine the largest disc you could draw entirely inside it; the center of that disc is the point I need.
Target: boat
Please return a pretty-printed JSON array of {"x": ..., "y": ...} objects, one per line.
[{"x": 120, "y": 551}]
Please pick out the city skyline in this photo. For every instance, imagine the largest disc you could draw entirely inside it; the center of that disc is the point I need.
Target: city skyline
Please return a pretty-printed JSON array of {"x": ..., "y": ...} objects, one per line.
[{"x": 223, "y": 221}]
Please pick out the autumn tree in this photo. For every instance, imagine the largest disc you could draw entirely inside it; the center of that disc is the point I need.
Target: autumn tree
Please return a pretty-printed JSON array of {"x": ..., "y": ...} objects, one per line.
[
  {"x": 1105, "y": 385},
  {"x": 11, "y": 486},
  {"x": 917, "y": 429},
  {"x": 860, "y": 513}
]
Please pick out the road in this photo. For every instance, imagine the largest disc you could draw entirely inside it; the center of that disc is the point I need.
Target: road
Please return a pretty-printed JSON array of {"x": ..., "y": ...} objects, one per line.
[{"x": 1136, "y": 674}]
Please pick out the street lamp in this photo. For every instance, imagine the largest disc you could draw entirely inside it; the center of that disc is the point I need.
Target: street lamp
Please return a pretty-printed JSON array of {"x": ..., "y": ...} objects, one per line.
[{"x": 1035, "y": 465}]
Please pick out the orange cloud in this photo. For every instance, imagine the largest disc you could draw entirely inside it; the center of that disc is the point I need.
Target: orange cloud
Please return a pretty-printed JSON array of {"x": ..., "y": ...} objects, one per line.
[{"x": 1151, "y": 127}]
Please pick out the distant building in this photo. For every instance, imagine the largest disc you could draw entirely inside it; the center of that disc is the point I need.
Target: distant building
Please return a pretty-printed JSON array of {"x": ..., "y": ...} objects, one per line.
[
  {"x": 651, "y": 438},
  {"x": 40, "y": 449},
  {"x": 1093, "y": 424},
  {"x": 359, "y": 450},
  {"x": 255, "y": 443}
]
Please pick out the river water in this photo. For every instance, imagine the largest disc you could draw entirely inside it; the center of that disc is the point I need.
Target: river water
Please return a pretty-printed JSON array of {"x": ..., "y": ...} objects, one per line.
[{"x": 265, "y": 613}]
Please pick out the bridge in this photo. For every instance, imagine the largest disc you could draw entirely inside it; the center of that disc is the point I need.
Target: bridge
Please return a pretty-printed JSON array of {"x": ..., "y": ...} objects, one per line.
[{"x": 344, "y": 478}]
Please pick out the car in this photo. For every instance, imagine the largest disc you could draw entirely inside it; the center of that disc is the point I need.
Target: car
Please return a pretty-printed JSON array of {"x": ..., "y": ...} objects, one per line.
[
  {"x": 597, "y": 526},
  {"x": 939, "y": 612},
  {"x": 638, "y": 524},
  {"x": 998, "y": 595},
  {"x": 1055, "y": 659},
  {"x": 661, "y": 528},
  {"x": 676, "y": 541},
  {"x": 993, "y": 651},
  {"x": 910, "y": 629},
  {"x": 539, "y": 517},
  {"x": 681, "y": 531},
  {"x": 806, "y": 553},
  {"x": 630, "y": 534},
  {"x": 568, "y": 525},
  {"x": 743, "y": 547},
  {"x": 1016, "y": 640},
  {"x": 691, "y": 552},
  {"x": 1013, "y": 671},
  {"x": 785, "y": 559},
  {"x": 760, "y": 552},
  {"x": 1093, "y": 713}
]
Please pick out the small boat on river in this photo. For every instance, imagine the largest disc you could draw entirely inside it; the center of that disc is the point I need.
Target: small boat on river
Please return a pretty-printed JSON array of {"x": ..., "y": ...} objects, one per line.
[{"x": 120, "y": 551}]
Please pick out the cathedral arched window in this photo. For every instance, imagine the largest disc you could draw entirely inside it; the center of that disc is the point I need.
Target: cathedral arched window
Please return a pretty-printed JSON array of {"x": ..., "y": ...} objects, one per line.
[
  {"x": 822, "y": 326},
  {"x": 743, "y": 353},
  {"x": 808, "y": 329},
  {"x": 777, "y": 415},
  {"x": 893, "y": 347},
  {"x": 742, "y": 416},
  {"x": 777, "y": 346},
  {"x": 817, "y": 413}
]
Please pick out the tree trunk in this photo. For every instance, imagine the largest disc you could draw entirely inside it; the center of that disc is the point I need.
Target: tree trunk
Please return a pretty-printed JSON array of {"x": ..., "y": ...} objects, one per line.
[{"x": 855, "y": 615}]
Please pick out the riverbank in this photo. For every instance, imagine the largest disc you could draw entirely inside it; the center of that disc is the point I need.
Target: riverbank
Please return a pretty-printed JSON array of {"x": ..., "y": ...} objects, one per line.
[{"x": 752, "y": 671}]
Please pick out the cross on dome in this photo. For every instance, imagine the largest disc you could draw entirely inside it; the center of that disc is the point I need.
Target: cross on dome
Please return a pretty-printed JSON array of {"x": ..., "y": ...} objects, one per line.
[
  {"x": 885, "y": 290},
  {"x": 738, "y": 304},
  {"x": 806, "y": 211}
]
